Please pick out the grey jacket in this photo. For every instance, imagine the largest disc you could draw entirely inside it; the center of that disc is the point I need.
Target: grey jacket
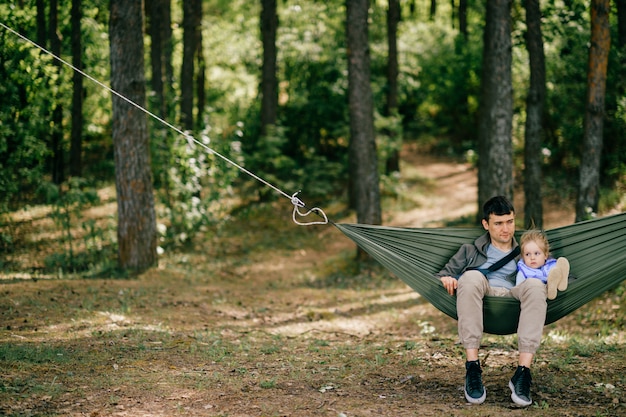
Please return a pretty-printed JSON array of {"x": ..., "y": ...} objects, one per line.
[{"x": 469, "y": 255}]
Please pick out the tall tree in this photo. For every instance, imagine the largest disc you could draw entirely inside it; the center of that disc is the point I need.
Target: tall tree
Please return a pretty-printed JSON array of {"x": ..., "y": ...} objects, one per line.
[
  {"x": 461, "y": 105},
  {"x": 433, "y": 9},
  {"x": 201, "y": 73},
  {"x": 168, "y": 51},
  {"x": 159, "y": 28},
  {"x": 453, "y": 12},
  {"x": 621, "y": 42},
  {"x": 76, "y": 142},
  {"x": 56, "y": 138},
  {"x": 463, "y": 18},
  {"x": 621, "y": 23},
  {"x": 495, "y": 169},
  {"x": 533, "y": 207},
  {"x": 136, "y": 231},
  {"x": 41, "y": 23},
  {"x": 155, "y": 28},
  {"x": 589, "y": 179},
  {"x": 364, "y": 181},
  {"x": 391, "y": 106},
  {"x": 191, "y": 26},
  {"x": 269, "y": 81}
]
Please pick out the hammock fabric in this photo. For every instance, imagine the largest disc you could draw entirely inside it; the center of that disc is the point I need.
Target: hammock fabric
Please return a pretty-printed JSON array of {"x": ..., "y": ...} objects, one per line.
[{"x": 596, "y": 250}]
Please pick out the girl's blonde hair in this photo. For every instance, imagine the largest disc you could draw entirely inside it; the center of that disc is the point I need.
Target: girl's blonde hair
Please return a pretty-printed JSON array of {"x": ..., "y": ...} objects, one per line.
[{"x": 536, "y": 236}]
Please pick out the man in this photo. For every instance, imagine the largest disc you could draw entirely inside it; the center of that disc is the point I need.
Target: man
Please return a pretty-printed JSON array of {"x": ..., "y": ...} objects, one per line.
[{"x": 468, "y": 273}]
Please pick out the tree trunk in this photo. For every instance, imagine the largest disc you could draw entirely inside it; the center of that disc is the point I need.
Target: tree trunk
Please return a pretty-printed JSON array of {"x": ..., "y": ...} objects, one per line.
[
  {"x": 76, "y": 144},
  {"x": 364, "y": 189},
  {"x": 42, "y": 35},
  {"x": 56, "y": 145},
  {"x": 190, "y": 40},
  {"x": 533, "y": 208},
  {"x": 462, "y": 112},
  {"x": 136, "y": 231},
  {"x": 463, "y": 18},
  {"x": 433, "y": 10},
  {"x": 159, "y": 29},
  {"x": 201, "y": 72},
  {"x": 412, "y": 8},
  {"x": 588, "y": 192},
  {"x": 168, "y": 53},
  {"x": 269, "y": 81},
  {"x": 495, "y": 174},
  {"x": 621, "y": 23},
  {"x": 393, "y": 18},
  {"x": 157, "y": 57},
  {"x": 452, "y": 13}
]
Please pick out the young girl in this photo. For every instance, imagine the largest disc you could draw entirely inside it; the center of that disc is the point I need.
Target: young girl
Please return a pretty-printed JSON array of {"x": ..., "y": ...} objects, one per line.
[{"x": 537, "y": 263}]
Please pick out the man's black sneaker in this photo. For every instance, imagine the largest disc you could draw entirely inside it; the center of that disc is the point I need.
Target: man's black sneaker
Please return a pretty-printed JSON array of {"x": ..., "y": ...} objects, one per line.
[
  {"x": 475, "y": 392},
  {"x": 520, "y": 386}
]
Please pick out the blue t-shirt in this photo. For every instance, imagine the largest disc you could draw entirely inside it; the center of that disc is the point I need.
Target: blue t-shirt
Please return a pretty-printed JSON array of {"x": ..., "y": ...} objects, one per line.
[{"x": 503, "y": 277}]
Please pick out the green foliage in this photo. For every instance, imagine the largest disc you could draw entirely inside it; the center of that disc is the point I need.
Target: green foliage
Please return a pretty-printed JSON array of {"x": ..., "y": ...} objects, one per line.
[
  {"x": 32, "y": 86},
  {"x": 309, "y": 171},
  {"x": 270, "y": 161},
  {"x": 614, "y": 152},
  {"x": 389, "y": 137},
  {"x": 439, "y": 86},
  {"x": 565, "y": 101},
  {"x": 566, "y": 30},
  {"x": 98, "y": 161},
  {"x": 193, "y": 185},
  {"x": 182, "y": 205},
  {"x": 24, "y": 73},
  {"x": 68, "y": 203},
  {"x": 314, "y": 108},
  {"x": 233, "y": 50},
  {"x": 307, "y": 150}
]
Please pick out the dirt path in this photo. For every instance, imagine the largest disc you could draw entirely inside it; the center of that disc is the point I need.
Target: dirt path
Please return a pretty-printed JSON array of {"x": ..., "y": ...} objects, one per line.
[
  {"x": 452, "y": 193},
  {"x": 452, "y": 190}
]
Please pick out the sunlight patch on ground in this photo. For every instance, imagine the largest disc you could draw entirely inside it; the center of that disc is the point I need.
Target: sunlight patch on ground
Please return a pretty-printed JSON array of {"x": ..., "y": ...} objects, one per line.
[
  {"x": 563, "y": 337},
  {"x": 114, "y": 318},
  {"x": 23, "y": 276},
  {"x": 558, "y": 337},
  {"x": 384, "y": 299},
  {"x": 347, "y": 313},
  {"x": 103, "y": 321},
  {"x": 31, "y": 213},
  {"x": 344, "y": 321}
]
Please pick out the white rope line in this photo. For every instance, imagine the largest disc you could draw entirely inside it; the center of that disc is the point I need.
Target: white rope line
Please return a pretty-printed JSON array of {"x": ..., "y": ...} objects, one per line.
[
  {"x": 294, "y": 200},
  {"x": 297, "y": 204}
]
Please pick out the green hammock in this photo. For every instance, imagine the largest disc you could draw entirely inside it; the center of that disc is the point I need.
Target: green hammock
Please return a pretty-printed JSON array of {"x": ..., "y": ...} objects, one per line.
[{"x": 596, "y": 250}]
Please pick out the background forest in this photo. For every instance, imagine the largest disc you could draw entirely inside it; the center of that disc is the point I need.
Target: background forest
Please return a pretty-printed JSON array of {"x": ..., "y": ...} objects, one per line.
[{"x": 205, "y": 72}]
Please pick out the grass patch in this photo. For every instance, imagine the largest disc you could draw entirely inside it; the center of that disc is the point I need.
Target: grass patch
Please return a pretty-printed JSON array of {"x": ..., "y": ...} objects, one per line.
[{"x": 29, "y": 353}]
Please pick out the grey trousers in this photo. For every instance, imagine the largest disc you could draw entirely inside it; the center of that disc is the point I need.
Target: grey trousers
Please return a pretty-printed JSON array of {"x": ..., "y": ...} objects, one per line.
[{"x": 473, "y": 287}]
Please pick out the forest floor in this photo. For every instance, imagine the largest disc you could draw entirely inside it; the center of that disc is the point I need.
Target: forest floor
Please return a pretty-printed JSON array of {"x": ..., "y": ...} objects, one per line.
[{"x": 267, "y": 318}]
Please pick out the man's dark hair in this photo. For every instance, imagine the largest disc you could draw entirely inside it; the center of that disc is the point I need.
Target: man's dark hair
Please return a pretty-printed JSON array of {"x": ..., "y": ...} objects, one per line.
[{"x": 498, "y": 205}]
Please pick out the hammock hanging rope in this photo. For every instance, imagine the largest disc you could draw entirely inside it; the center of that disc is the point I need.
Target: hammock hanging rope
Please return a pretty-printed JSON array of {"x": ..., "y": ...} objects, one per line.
[{"x": 596, "y": 250}]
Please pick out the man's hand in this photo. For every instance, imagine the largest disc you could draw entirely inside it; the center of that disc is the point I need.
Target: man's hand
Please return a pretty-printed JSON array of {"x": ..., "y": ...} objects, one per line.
[{"x": 449, "y": 284}]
